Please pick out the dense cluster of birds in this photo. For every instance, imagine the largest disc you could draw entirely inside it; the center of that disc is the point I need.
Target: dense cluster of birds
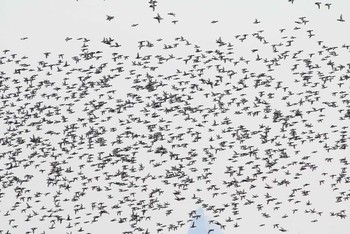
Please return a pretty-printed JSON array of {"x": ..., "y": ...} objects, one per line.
[{"x": 218, "y": 128}]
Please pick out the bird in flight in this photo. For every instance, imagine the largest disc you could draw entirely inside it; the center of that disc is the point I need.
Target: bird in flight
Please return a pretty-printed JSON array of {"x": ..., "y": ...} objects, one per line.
[
  {"x": 341, "y": 19},
  {"x": 110, "y": 17},
  {"x": 158, "y": 18},
  {"x": 153, "y": 4},
  {"x": 318, "y": 4},
  {"x": 256, "y": 21}
]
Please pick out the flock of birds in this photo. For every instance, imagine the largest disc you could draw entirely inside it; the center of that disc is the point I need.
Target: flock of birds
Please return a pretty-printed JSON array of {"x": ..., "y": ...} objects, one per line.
[
  {"x": 327, "y": 5},
  {"x": 153, "y": 5},
  {"x": 264, "y": 129}
]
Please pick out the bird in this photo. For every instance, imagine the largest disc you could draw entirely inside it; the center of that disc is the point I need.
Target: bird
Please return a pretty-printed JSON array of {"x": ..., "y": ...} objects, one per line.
[
  {"x": 158, "y": 18},
  {"x": 341, "y": 19},
  {"x": 318, "y": 4},
  {"x": 256, "y": 21},
  {"x": 109, "y": 17},
  {"x": 328, "y": 5}
]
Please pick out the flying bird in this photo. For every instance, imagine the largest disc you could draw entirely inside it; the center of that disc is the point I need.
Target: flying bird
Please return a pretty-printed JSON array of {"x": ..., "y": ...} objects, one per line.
[
  {"x": 158, "y": 18},
  {"x": 318, "y": 4},
  {"x": 328, "y": 5},
  {"x": 110, "y": 17},
  {"x": 341, "y": 19}
]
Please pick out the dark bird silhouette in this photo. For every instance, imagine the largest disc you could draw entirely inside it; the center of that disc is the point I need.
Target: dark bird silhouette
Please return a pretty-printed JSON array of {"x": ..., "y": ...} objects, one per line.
[
  {"x": 110, "y": 17},
  {"x": 318, "y": 4},
  {"x": 341, "y": 19},
  {"x": 158, "y": 18}
]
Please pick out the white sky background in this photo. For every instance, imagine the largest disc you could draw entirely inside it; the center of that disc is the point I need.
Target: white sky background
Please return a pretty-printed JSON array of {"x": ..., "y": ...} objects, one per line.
[{"x": 48, "y": 23}]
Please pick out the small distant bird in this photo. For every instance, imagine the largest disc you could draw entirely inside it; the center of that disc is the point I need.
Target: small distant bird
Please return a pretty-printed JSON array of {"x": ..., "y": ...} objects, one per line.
[
  {"x": 214, "y": 21},
  {"x": 153, "y": 4},
  {"x": 24, "y": 38},
  {"x": 110, "y": 17},
  {"x": 210, "y": 230},
  {"x": 256, "y": 21},
  {"x": 292, "y": 1},
  {"x": 134, "y": 25},
  {"x": 158, "y": 17},
  {"x": 318, "y": 4},
  {"x": 47, "y": 54},
  {"x": 171, "y": 13},
  {"x": 328, "y": 5},
  {"x": 341, "y": 19}
]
